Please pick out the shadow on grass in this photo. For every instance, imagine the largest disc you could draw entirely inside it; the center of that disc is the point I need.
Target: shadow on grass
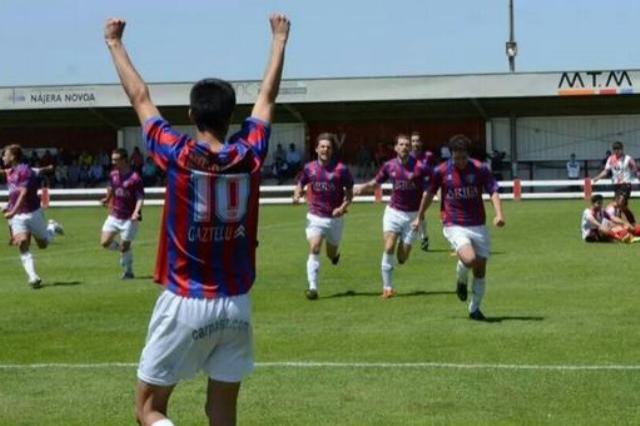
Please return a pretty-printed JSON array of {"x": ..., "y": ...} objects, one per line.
[
  {"x": 62, "y": 283},
  {"x": 514, "y": 318},
  {"x": 351, "y": 293},
  {"x": 143, "y": 277}
]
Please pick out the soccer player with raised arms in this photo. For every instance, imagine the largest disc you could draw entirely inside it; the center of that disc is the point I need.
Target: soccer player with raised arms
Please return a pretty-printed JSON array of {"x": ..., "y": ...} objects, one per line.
[
  {"x": 331, "y": 190},
  {"x": 125, "y": 195},
  {"x": 409, "y": 178},
  {"x": 462, "y": 181},
  {"x": 208, "y": 237}
]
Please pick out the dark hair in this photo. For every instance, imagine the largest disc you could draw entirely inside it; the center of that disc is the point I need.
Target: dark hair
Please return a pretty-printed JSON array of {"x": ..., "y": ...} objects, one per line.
[
  {"x": 620, "y": 193},
  {"x": 617, "y": 145},
  {"x": 459, "y": 143},
  {"x": 212, "y": 102},
  {"x": 595, "y": 198},
  {"x": 16, "y": 151},
  {"x": 121, "y": 152},
  {"x": 326, "y": 136}
]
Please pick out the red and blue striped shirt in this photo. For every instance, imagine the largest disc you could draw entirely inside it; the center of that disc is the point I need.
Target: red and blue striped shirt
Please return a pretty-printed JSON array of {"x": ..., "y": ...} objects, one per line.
[
  {"x": 461, "y": 192},
  {"x": 208, "y": 237},
  {"x": 409, "y": 181},
  {"x": 326, "y": 185}
]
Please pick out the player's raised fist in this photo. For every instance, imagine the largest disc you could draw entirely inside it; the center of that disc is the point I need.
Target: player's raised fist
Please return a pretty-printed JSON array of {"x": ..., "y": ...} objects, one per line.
[
  {"x": 279, "y": 25},
  {"x": 113, "y": 29}
]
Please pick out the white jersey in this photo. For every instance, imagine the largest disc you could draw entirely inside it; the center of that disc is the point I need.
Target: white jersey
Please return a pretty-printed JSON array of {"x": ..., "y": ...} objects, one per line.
[
  {"x": 622, "y": 169},
  {"x": 573, "y": 170},
  {"x": 586, "y": 224}
]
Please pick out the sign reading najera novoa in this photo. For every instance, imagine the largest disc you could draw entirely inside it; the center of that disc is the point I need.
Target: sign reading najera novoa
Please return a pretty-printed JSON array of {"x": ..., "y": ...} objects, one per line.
[{"x": 588, "y": 83}]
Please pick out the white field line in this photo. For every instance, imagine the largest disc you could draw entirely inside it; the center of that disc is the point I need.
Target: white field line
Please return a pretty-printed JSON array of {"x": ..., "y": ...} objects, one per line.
[{"x": 360, "y": 365}]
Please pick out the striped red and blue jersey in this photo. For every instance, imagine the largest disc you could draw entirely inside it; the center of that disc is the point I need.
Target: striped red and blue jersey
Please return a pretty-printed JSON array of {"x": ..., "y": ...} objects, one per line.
[
  {"x": 426, "y": 156},
  {"x": 461, "y": 192},
  {"x": 409, "y": 181},
  {"x": 327, "y": 185},
  {"x": 127, "y": 189},
  {"x": 208, "y": 238},
  {"x": 23, "y": 177}
]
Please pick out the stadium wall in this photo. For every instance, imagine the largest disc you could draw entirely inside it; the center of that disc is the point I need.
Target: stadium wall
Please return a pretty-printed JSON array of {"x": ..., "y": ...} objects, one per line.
[{"x": 542, "y": 140}]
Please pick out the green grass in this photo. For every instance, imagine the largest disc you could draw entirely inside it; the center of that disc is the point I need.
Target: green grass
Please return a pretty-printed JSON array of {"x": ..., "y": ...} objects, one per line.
[{"x": 553, "y": 299}]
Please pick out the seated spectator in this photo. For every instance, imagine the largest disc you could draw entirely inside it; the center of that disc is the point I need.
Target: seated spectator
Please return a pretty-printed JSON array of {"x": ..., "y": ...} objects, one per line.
[
  {"x": 34, "y": 160},
  {"x": 381, "y": 154},
  {"x": 294, "y": 160},
  {"x": 149, "y": 172},
  {"x": 363, "y": 160},
  {"x": 73, "y": 174},
  {"x": 279, "y": 154},
  {"x": 95, "y": 174},
  {"x": 85, "y": 159},
  {"x": 280, "y": 171},
  {"x": 445, "y": 153},
  {"x": 62, "y": 174},
  {"x": 47, "y": 159},
  {"x": 84, "y": 176},
  {"x": 104, "y": 160}
]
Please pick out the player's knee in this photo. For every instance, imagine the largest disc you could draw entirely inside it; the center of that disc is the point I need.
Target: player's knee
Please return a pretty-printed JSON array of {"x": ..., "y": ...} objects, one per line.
[
  {"x": 125, "y": 246},
  {"x": 105, "y": 243},
  {"x": 42, "y": 244}
]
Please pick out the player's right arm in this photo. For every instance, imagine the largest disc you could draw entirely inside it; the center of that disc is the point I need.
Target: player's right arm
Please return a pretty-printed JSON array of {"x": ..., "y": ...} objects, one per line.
[
  {"x": 381, "y": 176},
  {"x": 303, "y": 180},
  {"x": 22, "y": 194},
  {"x": 603, "y": 173},
  {"x": 132, "y": 83},
  {"x": 263, "y": 108},
  {"x": 107, "y": 198}
]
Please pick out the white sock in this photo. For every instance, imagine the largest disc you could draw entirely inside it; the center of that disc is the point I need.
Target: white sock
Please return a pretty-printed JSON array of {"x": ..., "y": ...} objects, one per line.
[
  {"x": 462, "y": 272},
  {"x": 387, "y": 270},
  {"x": 163, "y": 422},
  {"x": 313, "y": 266},
  {"x": 28, "y": 265},
  {"x": 477, "y": 292},
  {"x": 127, "y": 260},
  {"x": 51, "y": 232}
]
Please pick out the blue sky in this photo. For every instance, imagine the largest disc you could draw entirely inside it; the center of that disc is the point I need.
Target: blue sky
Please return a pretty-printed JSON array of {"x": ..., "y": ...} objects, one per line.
[{"x": 60, "y": 41}]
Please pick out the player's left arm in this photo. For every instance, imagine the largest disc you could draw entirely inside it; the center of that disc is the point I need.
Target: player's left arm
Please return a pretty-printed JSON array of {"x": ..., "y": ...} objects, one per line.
[
  {"x": 491, "y": 187},
  {"x": 347, "y": 182},
  {"x": 139, "y": 201},
  {"x": 498, "y": 220},
  {"x": 132, "y": 83}
]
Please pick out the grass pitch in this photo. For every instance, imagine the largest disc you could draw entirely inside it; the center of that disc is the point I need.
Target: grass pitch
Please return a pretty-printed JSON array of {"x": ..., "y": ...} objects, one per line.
[{"x": 556, "y": 306}]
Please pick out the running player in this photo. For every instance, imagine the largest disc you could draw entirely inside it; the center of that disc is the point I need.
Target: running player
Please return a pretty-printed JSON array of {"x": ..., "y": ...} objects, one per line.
[
  {"x": 23, "y": 211},
  {"x": 409, "y": 178},
  {"x": 461, "y": 181},
  {"x": 125, "y": 195},
  {"x": 418, "y": 152},
  {"x": 208, "y": 238},
  {"x": 330, "y": 190}
]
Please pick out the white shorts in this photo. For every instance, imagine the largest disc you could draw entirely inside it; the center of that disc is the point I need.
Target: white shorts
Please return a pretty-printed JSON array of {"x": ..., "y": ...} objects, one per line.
[
  {"x": 33, "y": 223},
  {"x": 188, "y": 335},
  {"x": 476, "y": 236},
  {"x": 399, "y": 223},
  {"x": 327, "y": 227},
  {"x": 127, "y": 228}
]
